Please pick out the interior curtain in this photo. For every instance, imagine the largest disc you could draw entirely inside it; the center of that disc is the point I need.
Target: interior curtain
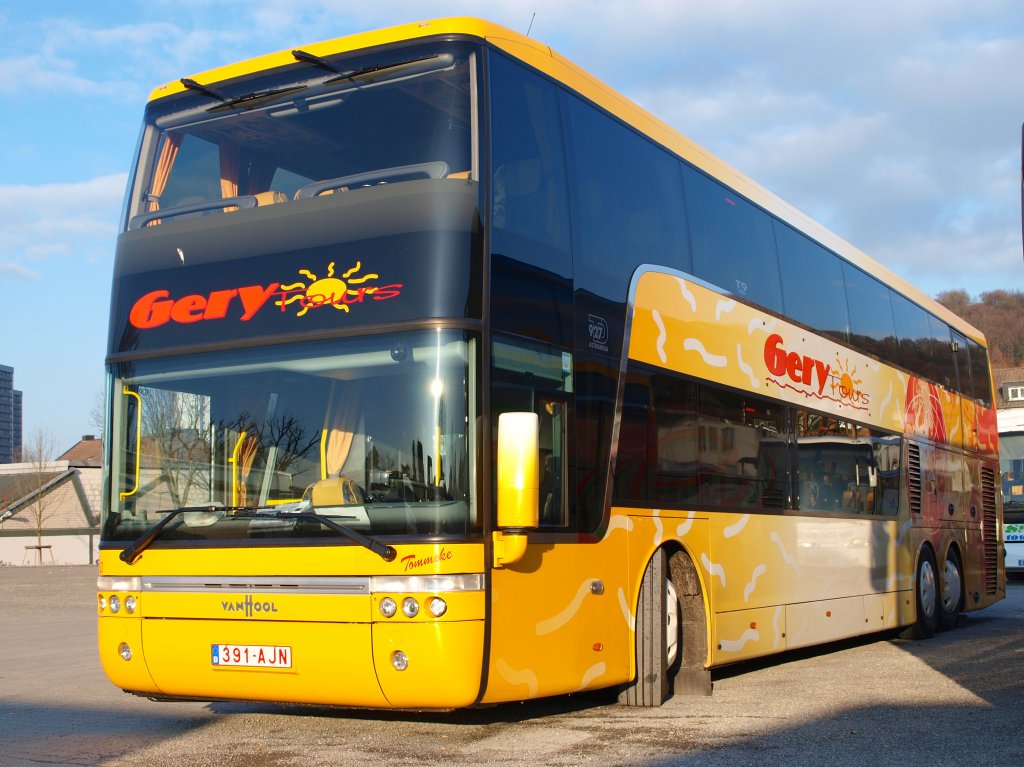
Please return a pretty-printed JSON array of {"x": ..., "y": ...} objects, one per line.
[
  {"x": 343, "y": 428},
  {"x": 230, "y": 164},
  {"x": 168, "y": 153}
]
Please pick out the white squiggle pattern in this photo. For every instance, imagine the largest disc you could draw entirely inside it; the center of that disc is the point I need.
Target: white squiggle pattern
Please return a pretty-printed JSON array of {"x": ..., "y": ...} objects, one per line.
[
  {"x": 786, "y": 556},
  {"x": 746, "y": 368},
  {"x": 662, "y": 335},
  {"x": 756, "y": 324},
  {"x": 885, "y": 402},
  {"x": 714, "y": 360},
  {"x": 556, "y": 622},
  {"x": 735, "y": 645},
  {"x": 627, "y": 613},
  {"x": 737, "y": 527},
  {"x": 749, "y": 588},
  {"x": 713, "y": 568},
  {"x": 684, "y": 527},
  {"x": 620, "y": 522},
  {"x": 591, "y": 674},
  {"x": 517, "y": 676},
  {"x": 659, "y": 529},
  {"x": 797, "y": 637},
  {"x": 777, "y": 626},
  {"x": 903, "y": 533},
  {"x": 688, "y": 296},
  {"x": 724, "y": 307}
]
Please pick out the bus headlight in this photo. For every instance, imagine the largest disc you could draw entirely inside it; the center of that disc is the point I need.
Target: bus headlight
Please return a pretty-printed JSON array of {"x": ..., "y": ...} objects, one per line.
[
  {"x": 115, "y": 604},
  {"x": 130, "y": 604},
  {"x": 437, "y": 607},
  {"x": 410, "y": 607},
  {"x": 388, "y": 607}
]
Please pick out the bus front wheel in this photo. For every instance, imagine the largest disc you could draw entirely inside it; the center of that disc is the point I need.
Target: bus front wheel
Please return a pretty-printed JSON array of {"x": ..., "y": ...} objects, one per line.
[{"x": 658, "y": 636}]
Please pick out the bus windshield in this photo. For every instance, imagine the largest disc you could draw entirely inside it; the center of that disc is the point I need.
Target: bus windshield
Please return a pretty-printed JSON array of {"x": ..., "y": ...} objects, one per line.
[
  {"x": 321, "y": 127},
  {"x": 1011, "y": 465},
  {"x": 373, "y": 434}
]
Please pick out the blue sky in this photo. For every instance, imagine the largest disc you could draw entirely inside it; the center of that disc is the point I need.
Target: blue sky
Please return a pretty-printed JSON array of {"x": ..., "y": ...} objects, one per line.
[{"x": 897, "y": 125}]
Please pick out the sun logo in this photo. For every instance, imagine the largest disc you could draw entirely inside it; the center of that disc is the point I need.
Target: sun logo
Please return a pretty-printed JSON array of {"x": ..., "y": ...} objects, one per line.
[
  {"x": 327, "y": 291},
  {"x": 844, "y": 378}
]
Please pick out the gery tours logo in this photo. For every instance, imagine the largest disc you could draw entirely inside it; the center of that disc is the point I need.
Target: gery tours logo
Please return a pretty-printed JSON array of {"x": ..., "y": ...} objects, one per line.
[{"x": 158, "y": 307}]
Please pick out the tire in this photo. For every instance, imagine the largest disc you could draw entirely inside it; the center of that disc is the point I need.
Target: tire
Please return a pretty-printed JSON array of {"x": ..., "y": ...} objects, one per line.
[
  {"x": 951, "y": 592},
  {"x": 926, "y": 592},
  {"x": 658, "y": 637}
]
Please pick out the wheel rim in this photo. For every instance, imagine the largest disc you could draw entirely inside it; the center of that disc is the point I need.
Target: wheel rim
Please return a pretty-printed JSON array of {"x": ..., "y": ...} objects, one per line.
[
  {"x": 671, "y": 625},
  {"x": 952, "y": 586},
  {"x": 926, "y": 590}
]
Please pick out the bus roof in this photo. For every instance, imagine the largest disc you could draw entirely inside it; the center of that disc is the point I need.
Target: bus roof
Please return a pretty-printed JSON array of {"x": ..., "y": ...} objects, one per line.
[{"x": 546, "y": 60}]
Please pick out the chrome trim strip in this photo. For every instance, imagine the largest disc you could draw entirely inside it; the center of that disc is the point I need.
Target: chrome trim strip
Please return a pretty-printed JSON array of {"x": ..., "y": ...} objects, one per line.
[{"x": 263, "y": 584}]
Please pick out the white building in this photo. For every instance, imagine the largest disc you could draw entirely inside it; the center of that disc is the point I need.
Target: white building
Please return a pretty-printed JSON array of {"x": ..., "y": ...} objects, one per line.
[{"x": 62, "y": 499}]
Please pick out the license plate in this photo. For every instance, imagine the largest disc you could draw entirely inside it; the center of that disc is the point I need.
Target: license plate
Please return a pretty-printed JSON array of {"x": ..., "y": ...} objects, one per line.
[{"x": 251, "y": 655}]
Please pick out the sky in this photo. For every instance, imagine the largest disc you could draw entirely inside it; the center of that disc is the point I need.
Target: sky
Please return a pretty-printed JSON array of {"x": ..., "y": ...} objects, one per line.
[{"x": 895, "y": 124}]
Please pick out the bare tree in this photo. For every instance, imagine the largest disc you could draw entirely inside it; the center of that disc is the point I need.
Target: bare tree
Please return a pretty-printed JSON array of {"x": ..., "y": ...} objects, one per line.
[
  {"x": 98, "y": 411},
  {"x": 37, "y": 453}
]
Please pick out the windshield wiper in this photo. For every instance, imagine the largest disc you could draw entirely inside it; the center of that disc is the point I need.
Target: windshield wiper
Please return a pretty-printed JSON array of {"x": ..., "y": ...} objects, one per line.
[
  {"x": 134, "y": 551},
  {"x": 385, "y": 552},
  {"x": 320, "y": 61},
  {"x": 248, "y": 101},
  {"x": 353, "y": 74}
]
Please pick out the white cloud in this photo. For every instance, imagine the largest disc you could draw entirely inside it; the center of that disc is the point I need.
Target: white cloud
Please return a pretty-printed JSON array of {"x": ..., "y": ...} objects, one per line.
[{"x": 38, "y": 223}]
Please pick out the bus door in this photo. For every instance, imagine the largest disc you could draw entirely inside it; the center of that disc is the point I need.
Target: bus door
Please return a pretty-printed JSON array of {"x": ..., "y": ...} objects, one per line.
[{"x": 557, "y": 625}]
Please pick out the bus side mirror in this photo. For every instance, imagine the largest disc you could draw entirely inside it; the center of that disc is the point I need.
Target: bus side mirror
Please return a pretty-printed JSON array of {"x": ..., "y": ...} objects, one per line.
[{"x": 518, "y": 485}]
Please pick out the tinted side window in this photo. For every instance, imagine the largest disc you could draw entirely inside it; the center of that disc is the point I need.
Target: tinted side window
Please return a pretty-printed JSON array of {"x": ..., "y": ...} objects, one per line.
[
  {"x": 529, "y": 193},
  {"x": 812, "y": 284},
  {"x": 913, "y": 332},
  {"x": 943, "y": 363},
  {"x": 846, "y": 468},
  {"x": 627, "y": 197},
  {"x": 532, "y": 262},
  {"x": 980, "y": 373},
  {"x": 733, "y": 243},
  {"x": 744, "y": 455},
  {"x": 871, "y": 324}
]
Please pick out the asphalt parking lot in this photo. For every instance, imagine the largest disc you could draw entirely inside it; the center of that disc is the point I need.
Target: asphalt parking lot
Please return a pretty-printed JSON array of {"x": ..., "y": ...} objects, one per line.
[{"x": 957, "y": 699}]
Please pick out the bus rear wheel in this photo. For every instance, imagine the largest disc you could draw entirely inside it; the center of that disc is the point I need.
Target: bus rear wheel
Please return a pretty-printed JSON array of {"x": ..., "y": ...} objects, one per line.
[
  {"x": 926, "y": 592},
  {"x": 658, "y": 637},
  {"x": 951, "y": 591}
]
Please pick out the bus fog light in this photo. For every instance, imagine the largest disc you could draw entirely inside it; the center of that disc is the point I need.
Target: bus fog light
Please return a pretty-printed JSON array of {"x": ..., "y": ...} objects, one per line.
[
  {"x": 129, "y": 604},
  {"x": 115, "y": 603},
  {"x": 387, "y": 607},
  {"x": 438, "y": 607},
  {"x": 410, "y": 607},
  {"x": 124, "y": 651},
  {"x": 399, "y": 660}
]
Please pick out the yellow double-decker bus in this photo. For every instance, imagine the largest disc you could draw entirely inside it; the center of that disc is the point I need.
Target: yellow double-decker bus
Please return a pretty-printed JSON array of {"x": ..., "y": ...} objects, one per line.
[{"x": 441, "y": 375}]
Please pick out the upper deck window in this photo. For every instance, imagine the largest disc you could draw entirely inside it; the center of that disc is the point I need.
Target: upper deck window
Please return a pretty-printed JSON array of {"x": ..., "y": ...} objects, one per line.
[{"x": 323, "y": 126}]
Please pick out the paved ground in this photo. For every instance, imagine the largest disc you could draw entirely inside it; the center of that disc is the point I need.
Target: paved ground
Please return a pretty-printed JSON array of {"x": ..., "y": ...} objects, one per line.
[{"x": 957, "y": 699}]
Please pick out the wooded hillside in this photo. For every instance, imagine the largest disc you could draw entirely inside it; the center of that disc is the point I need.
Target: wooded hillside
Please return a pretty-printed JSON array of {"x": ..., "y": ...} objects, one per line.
[{"x": 999, "y": 314}]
